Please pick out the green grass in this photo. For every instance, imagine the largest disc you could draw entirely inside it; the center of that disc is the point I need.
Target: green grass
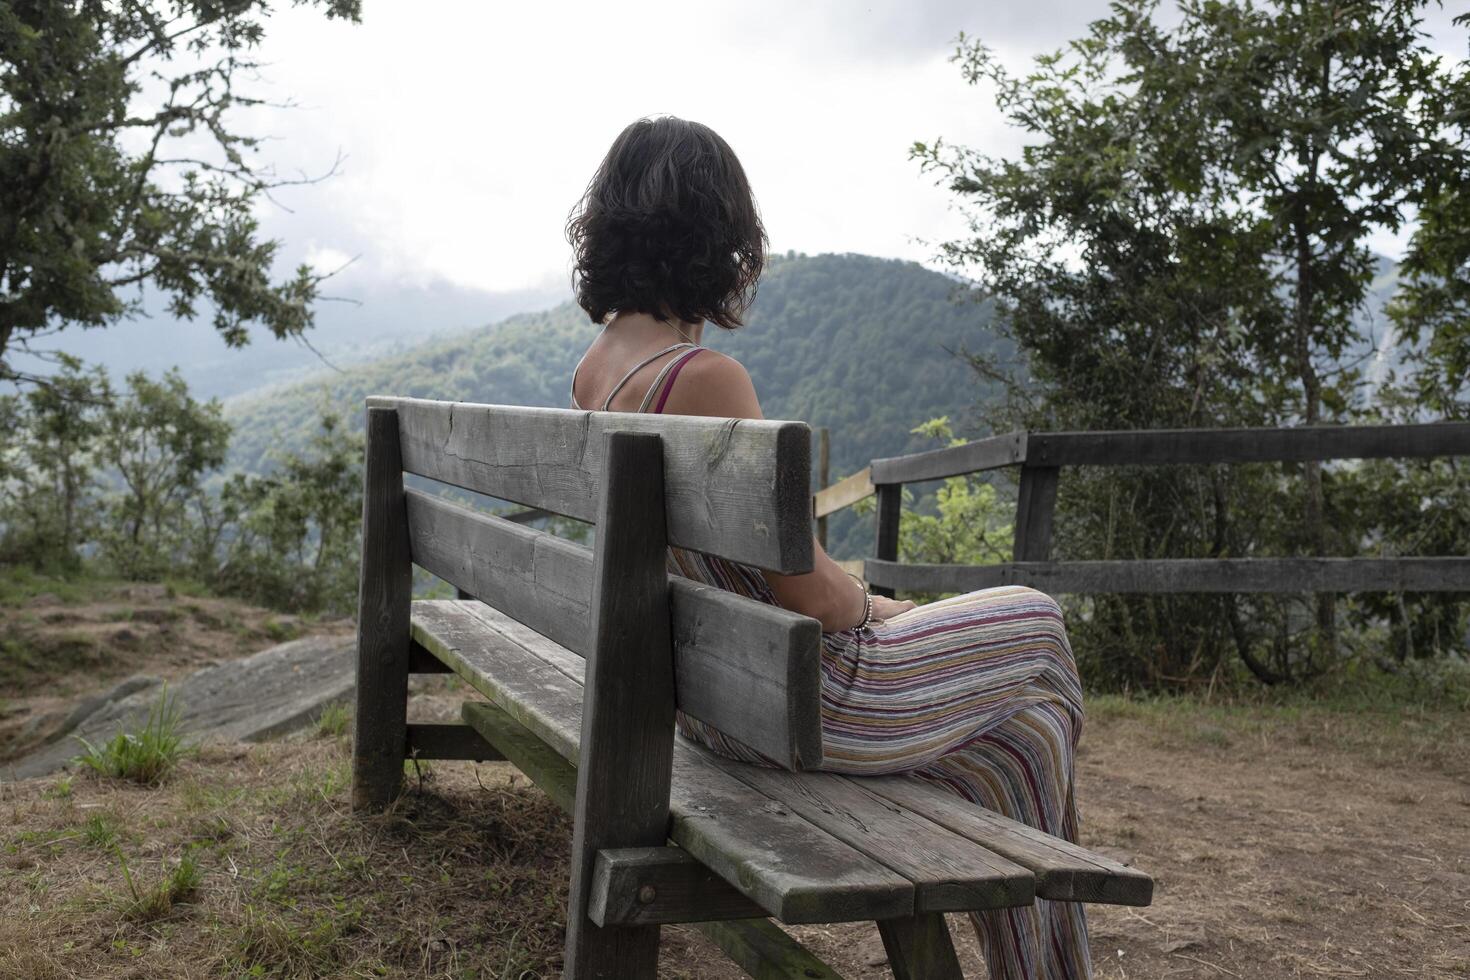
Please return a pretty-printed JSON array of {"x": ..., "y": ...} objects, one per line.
[
  {"x": 1393, "y": 720},
  {"x": 100, "y": 830},
  {"x": 147, "y": 903},
  {"x": 145, "y": 757},
  {"x": 19, "y": 584},
  {"x": 334, "y": 720},
  {"x": 29, "y": 658}
]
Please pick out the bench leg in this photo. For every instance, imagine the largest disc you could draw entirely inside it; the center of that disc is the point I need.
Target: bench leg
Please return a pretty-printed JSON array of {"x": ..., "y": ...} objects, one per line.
[
  {"x": 380, "y": 732},
  {"x": 626, "y": 757},
  {"x": 920, "y": 948}
]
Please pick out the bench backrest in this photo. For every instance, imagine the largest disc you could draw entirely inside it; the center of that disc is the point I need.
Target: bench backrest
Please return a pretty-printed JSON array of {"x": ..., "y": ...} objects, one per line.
[{"x": 735, "y": 489}]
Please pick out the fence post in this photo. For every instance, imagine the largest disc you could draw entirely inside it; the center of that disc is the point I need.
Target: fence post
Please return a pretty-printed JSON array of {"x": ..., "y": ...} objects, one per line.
[
  {"x": 890, "y": 499},
  {"x": 1035, "y": 505}
]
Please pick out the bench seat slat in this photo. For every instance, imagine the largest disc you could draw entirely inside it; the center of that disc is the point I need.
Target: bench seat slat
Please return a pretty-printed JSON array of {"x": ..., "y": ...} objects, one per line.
[
  {"x": 950, "y": 873},
  {"x": 748, "y": 668},
  {"x": 789, "y": 867},
  {"x": 1064, "y": 871},
  {"x": 734, "y": 488}
]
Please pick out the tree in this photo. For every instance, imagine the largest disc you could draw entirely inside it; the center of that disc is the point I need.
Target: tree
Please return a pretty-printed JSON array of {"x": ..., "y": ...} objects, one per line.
[
  {"x": 1183, "y": 242},
  {"x": 53, "y": 468},
  {"x": 296, "y": 530},
  {"x": 160, "y": 442},
  {"x": 101, "y": 192}
]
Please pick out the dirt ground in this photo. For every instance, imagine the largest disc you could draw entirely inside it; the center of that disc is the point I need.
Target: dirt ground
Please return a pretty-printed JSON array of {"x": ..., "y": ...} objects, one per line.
[
  {"x": 1284, "y": 843},
  {"x": 57, "y": 648}
]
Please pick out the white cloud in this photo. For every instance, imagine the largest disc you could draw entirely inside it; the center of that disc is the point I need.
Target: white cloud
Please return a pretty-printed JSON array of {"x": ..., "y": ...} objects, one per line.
[{"x": 469, "y": 129}]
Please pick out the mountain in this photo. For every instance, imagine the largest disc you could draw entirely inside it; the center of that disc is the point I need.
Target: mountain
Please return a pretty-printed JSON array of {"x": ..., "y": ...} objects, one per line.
[
  {"x": 365, "y": 321},
  {"x": 863, "y": 346}
]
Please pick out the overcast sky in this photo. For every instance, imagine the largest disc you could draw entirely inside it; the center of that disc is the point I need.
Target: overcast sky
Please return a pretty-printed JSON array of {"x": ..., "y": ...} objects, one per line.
[{"x": 468, "y": 128}]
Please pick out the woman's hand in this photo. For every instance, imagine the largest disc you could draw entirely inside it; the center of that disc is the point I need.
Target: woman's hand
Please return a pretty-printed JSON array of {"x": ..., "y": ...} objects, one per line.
[{"x": 885, "y": 608}]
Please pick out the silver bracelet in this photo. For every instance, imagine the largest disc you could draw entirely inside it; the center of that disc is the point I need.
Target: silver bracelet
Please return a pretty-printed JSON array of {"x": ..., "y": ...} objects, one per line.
[{"x": 867, "y": 611}]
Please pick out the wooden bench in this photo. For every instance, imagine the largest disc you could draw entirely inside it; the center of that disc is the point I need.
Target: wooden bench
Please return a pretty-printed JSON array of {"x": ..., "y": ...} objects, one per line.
[{"x": 583, "y": 655}]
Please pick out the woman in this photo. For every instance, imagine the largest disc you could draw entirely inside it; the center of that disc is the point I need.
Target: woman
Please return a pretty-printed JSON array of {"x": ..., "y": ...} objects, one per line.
[{"x": 978, "y": 693}]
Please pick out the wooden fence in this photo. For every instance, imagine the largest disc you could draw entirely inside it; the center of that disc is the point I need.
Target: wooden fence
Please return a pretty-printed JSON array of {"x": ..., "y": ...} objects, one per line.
[{"x": 1041, "y": 456}]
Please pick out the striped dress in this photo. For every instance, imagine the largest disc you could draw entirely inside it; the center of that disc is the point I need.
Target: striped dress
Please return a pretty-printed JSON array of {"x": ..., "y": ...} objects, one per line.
[{"x": 977, "y": 693}]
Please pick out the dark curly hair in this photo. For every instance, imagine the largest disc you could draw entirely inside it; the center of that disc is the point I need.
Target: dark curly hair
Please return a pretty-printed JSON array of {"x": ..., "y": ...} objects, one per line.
[{"x": 667, "y": 227}]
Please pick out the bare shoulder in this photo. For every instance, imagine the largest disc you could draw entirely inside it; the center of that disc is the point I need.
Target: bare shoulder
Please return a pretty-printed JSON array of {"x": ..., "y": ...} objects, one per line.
[{"x": 714, "y": 384}]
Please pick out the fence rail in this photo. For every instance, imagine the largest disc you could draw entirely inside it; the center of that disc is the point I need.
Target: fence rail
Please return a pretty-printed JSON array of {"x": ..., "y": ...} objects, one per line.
[{"x": 1041, "y": 456}]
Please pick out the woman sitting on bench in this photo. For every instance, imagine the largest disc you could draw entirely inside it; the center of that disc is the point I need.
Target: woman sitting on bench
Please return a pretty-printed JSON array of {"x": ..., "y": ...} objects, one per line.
[{"x": 978, "y": 693}]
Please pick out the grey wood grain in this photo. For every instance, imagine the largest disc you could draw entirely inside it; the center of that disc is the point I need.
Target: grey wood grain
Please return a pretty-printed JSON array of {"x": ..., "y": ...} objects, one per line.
[
  {"x": 642, "y": 885},
  {"x": 842, "y": 494},
  {"x": 1179, "y": 575},
  {"x": 739, "y": 489},
  {"x": 748, "y": 668},
  {"x": 920, "y": 948},
  {"x": 1035, "y": 507},
  {"x": 457, "y": 742},
  {"x": 1298, "y": 444},
  {"x": 1064, "y": 871},
  {"x": 950, "y": 872},
  {"x": 885, "y": 547},
  {"x": 1180, "y": 446},
  {"x": 936, "y": 464},
  {"x": 793, "y": 870},
  {"x": 758, "y": 946},
  {"x": 384, "y": 593},
  {"x": 765, "y": 951},
  {"x": 627, "y": 742}
]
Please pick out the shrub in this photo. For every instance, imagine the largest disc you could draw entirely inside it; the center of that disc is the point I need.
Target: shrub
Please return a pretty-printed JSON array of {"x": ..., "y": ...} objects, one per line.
[{"x": 143, "y": 757}]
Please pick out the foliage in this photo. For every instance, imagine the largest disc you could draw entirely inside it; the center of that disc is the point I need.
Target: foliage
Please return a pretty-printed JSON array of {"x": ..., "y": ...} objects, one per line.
[
  {"x": 147, "y": 756},
  {"x": 291, "y": 536},
  {"x": 964, "y": 522},
  {"x": 129, "y": 481},
  {"x": 105, "y": 186},
  {"x": 160, "y": 443},
  {"x": 50, "y": 473},
  {"x": 1183, "y": 242}
]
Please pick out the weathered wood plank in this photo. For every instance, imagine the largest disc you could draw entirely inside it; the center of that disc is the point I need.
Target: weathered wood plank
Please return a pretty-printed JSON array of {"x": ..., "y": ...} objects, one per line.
[
  {"x": 843, "y": 493},
  {"x": 764, "y": 951},
  {"x": 885, "y": 548},
  {"x": 793, "y": 870},
  {"x": 1036, "y": 503},
  {"x": 1198, "y": 446},
  {"x": 748, "y": 668},
  {"x": 1179, "y": 575},
  {"x": 384, "y": 594},
  {"x": 920, "y": 948},
  {"x": 641, "y": 885},
  {"x": 448, "y": 742},
  {"x": 627, "y": 744},
  {"x": 757, "y": 945},
  {"x": 1064, "y": 871},
  {"x": 735, "y": 488},
  {"x": 950, "y": 872},
  {"x": 553, "y": 775},
  {"x": 1180, "y": 446},
  {"x": 936, "y": 464}
]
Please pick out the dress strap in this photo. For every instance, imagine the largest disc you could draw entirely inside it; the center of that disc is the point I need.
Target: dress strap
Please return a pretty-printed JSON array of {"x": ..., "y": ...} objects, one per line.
[
  {"x": 664, "y": 383},
  {"x": 636, "y": 368}
]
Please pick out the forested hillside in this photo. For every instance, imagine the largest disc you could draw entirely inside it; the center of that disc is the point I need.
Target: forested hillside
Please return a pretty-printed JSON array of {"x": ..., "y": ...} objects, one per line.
[{"x": 858, "y": 344}]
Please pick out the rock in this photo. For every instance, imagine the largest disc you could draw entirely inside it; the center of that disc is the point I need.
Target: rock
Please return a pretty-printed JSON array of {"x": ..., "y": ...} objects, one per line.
[
  {"x": 270, "y": 693},
  {"x": 88, "y": 707}
]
